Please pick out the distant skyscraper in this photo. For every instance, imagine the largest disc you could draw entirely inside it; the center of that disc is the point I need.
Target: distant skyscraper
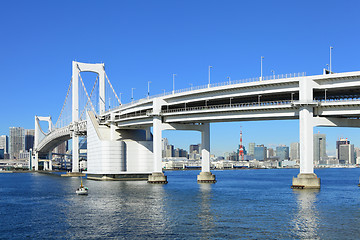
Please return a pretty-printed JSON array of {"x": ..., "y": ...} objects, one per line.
[
  {"x": 251, "y": 149},
  {"x": 346, "y": 154},
  {"x": 62, "y": 148},
  {"x": 164, "y": 144},
  {"x": 269, "y": 153},
  {"x": 295, "y": 151},
  {"x": 260, "y": 153},
  {"x": 195, "y": 148},
  {"x": 169, "y": 151},
  {"x": 4, "y": 144},
  {"x": 338, "y": 143},
  {"x": 319, "y": 148},
  {"x": 17, "y": 141},
  {"x": 282, "y": 152},
  {"x": 29, "y": 139}
]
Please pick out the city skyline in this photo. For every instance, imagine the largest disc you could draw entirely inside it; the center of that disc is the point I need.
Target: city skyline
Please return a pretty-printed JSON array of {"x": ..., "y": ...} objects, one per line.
[{"x": 173, "y": 38}]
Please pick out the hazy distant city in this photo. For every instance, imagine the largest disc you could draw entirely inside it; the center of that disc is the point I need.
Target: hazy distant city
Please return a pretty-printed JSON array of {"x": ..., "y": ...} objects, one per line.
[{"x": 15, "y": 152}]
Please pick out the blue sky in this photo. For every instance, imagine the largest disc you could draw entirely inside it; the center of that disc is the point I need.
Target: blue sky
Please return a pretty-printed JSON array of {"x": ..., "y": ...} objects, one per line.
[{"x": 141, "y": 41}]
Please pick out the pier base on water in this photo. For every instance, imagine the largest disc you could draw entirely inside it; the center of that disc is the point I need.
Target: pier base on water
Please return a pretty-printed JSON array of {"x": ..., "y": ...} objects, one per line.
[
  {"x": 73, "y": 174},
  {"x": 206, "y": 177},
  {"x": 157, "y": 178},
  {"x": 306, "y": 181}
]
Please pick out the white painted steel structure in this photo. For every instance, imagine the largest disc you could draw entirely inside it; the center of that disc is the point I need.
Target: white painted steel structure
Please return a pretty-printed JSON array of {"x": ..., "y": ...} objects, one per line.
[{"x": 320, "y": 100}]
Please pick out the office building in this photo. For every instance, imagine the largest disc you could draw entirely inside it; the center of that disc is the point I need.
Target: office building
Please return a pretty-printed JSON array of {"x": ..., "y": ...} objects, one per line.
[
  {"x": 294, "y": 151},
  {"x": 338, "y": 143},
  {"x": 251, "y": 149},
  {"x": 270, "y": 153},
  {"x": 4, "y": 143},
  {"x": 260, "y": 152},
  {"x": 169, "y": 152},
  {"x": 346, "y": 154},
  {"x": 319, "y": 148},
  {"x": 195, "y": 148},
  {"x": 16, "y": 141},
  {"x": 282, "y": 152},
  {"x": 29, "y": 139}
]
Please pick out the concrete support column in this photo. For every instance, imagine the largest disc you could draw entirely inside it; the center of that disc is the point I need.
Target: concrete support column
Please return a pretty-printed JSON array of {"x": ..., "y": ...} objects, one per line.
[
  {"x": 205, "y": 175},
  {"x": 306, "y": 140},
  {"x": 306, "y": 178},
  {"x": 205, "y": 148},
  {"x": 157, "y": 176},
  {"x": 36, "y": 162},
  {"x": 50, "y": 161},
  {"x": 75, "y": 152}
]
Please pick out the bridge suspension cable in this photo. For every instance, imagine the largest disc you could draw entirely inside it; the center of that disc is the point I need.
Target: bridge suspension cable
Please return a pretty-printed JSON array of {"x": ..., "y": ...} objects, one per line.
[
  {"x": 113, "y": 89},
  {"x": 92, "y": 91},
  {"x": 87, "y": 95},
  {"x": 62, "y": 109}
]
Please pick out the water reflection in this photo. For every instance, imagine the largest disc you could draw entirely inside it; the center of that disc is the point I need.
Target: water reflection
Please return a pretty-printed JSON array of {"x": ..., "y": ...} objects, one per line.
[
  {"x": 114, "y": 209},
  {"x": 306, "y": 219},
  {"x": 205, "y": 215}
]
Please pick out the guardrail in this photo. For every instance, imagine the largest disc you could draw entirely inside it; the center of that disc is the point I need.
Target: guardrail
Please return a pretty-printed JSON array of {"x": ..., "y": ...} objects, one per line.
[{"x": 231, "y": 82}]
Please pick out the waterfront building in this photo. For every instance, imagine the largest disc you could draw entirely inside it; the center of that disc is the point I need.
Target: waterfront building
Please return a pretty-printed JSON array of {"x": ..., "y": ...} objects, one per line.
[
  {"x": 319, "y": 148},
  {"x": 178, "y": 152},
  {"x": 251, "y": 149},
  {"x": 295, "y": 151},
  {"x": 195, "y": 148},
  {"x": 164, "y": 144},
  {"x": 338, "y": 143},
  {"x": 282, "y": 152},
  {"x": 62, "y": 148},
  {"x": 4, "y": 144},
  {"x": 2, "y": 153},
  {"x": 260, "y": 152},
  {"x": 270, "y": 153},
  {"x": 169, "y": 151},
  {"x": 16, "y": 141},
  {"x": 29, "y": 139},
  {"x": 346, "y": 154}
]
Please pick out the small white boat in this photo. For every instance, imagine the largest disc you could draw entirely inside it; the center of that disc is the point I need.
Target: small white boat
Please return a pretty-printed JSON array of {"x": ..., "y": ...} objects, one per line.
[{"x": 82, "y": 190}]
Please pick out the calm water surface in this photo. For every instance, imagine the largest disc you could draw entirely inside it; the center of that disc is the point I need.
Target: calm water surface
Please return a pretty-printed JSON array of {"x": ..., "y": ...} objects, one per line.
[{"x": 243, "y": 204}]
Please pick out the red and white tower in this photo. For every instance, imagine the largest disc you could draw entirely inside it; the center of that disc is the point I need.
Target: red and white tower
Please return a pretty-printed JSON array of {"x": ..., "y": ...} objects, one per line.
[{"x": 241, "y": 148}]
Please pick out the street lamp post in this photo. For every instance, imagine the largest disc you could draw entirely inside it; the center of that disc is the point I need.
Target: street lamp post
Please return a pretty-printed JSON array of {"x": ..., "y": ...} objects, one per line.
[
  {"x": 261, "y": 63},
  {"x": 148, "y": 89},
  {"x": 174, "y": 83},
  {"x": 229, "y": 79},
  {"x": 273, "y": 73},
  {"x": 120, "y": 98},
  {"x": 132, "y": 94},
  {"x": 330, "y": 59},
  {"x": 259, "y": 99},
  {"x": 191, "y": 86},
  {"x": 209, "y": 75},
  {"x": 164, "y": 91}
]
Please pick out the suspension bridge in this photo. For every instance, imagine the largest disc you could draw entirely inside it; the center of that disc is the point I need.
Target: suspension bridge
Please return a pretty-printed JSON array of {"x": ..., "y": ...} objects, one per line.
[{"x": 121, "y": 145}]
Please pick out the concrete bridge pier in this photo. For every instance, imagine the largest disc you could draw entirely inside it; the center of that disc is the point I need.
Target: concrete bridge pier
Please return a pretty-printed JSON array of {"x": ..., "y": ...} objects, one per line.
[
  {"x": 157, "y": 176},
  {"x": 306, "y": 178},
  {"x": 205, "y": 175}
]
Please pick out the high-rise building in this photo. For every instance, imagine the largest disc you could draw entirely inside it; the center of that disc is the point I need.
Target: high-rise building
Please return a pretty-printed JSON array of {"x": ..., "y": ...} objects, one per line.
[
  {"x": 16, "y": 141},
  {"x": 295, "y": 151},
  {"x": 346, "y": 154},
  {"x": 260, "y": 152},
  {"x": 4, "y": 144},
  {"x": 251, "y": 149},
  {"x": 319, "y": 148},
  {"x": 29, "y": 139},
  {"x": 282, "y": 152},
  {"x": 164, "y": 144},
  {"x": 338, "y": 143},
  {"x": 195, "y": 148},
  {"x": 269, "y": 153},
  {"x": 62, "y": 148},
  {"x": 169, "y": 151}
]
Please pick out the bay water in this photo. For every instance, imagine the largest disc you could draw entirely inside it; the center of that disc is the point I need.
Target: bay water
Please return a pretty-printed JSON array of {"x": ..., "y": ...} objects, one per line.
[{"x": 243, "y": 204}]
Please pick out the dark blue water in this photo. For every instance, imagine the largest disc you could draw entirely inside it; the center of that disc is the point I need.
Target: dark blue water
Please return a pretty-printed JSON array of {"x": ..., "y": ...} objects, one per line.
[{"x": 243, "y": 204}]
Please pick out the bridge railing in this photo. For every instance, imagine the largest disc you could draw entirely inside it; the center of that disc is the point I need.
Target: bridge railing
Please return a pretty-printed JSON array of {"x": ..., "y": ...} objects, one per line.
[
  {"x": 223, "y": 106},
  {"x": 231, "y": 82}
]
